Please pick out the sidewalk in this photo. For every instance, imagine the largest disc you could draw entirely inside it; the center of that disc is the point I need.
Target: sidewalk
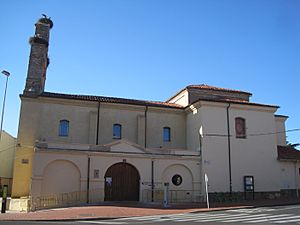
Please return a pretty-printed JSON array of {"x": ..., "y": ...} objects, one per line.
[{"x": 118, "y": 210}]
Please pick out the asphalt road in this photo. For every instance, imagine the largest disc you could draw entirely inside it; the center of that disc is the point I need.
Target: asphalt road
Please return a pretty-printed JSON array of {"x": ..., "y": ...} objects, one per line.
[{"x": 263, "y": 215}]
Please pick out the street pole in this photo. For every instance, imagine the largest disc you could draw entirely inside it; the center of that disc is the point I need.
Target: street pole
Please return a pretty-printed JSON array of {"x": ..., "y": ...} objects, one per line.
[
  {"x": 206, "y": 189},
  {"x": 4, "y": 98}
]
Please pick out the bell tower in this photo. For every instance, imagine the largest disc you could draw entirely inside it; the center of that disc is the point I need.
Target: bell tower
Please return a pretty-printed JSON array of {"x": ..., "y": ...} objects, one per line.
[{"x": 38, "y": 59}]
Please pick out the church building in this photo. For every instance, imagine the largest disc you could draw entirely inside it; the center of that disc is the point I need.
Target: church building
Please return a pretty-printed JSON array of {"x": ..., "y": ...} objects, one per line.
[{"x": 97, "y": 148}]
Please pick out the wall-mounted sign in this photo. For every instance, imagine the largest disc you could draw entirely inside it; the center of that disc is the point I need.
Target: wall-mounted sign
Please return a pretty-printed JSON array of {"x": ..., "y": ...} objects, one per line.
[
  {"x": 249, "y": 185},
  {"x": 176, "y": 179},
  {"x": 96, "y": 173},
  {"x": 108, "y": 181}
]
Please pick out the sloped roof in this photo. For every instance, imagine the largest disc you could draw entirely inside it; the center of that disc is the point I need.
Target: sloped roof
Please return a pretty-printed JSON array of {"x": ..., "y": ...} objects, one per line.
[
  {"x": 288, "y": 153},
  {"x": 140, "y": 102},
  {"x": 111, "y": 100},
  {"x": 236, "y": 101},
  {"x": 208, "y": 87}
]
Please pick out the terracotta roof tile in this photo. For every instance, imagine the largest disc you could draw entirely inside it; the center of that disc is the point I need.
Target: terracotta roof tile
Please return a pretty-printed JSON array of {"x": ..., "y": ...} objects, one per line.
[
  {"x": 208, "y": 87},
  {"x": 249, "y": 103},
  {"x": 111, "y": 100},
  {"x": 288, "y": 153},
  {"x": 236, "y": 101},
  {"x": 139, "y": 102}
]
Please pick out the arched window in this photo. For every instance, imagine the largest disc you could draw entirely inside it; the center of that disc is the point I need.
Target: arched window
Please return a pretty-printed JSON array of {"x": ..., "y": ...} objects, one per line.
[
  {"x": 240, "y": 127},
  {"x": 63, "y": 128},
  {"x": 117, "y": 131},
  {"x": 167, "y": 134}
]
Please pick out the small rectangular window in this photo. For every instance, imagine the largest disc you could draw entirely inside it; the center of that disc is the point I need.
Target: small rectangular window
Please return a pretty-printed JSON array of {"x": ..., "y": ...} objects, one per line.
[
  {"x": 167, "y": 134},
  {"x": 117, "y": 131},
  {"x": 240, "y": 127},
  {"x": 63, "y": 128}
]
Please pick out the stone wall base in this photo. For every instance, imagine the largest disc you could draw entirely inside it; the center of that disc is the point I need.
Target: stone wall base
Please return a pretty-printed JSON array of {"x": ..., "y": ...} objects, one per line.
[
  {"x": 242, "y": 196},
  {"x": 19, "y": 204}
]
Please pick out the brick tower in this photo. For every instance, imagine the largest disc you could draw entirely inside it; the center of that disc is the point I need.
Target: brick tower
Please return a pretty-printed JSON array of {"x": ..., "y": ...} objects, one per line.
[
  {"x": 35, "y": 82},
  {"x": 38, "y": 60}
]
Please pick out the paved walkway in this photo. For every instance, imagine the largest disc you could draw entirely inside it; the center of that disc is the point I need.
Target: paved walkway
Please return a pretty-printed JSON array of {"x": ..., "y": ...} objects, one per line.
[{"x": 117, "y": 210}]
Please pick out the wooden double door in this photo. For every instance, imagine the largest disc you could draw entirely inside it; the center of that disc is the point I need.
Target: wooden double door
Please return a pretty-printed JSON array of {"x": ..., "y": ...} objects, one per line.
[{"x": 122, "y": 183}]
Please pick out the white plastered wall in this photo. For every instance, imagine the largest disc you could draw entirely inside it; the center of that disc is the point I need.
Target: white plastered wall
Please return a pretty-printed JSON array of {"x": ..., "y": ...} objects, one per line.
[
  {"x": 280, "y": 130},
  {"x": 181, "y": 99},
  {"x": 164, "y": 167},
  {"x": 255, "y": 156}
]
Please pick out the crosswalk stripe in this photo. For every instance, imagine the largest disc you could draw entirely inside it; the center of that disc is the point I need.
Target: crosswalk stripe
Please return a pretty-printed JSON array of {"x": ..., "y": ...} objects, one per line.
[
  {"x": 246, "y": 216},
  {"x": 290, "y": 220},
  {"x": 213, "y": 217},
  {"x": 257, "y": 219},
  {"x": 170, "y": 216},
  {"x": 186, "y": 217},
  {"x": 145, "y": 217},
  {"x": 251, "y": 210},
  {"x": 233, "y": 217},
  {"x": 102, "y": 222},
  {"x": 287, "y": 208},
  {"x": 272, "y": 218}
]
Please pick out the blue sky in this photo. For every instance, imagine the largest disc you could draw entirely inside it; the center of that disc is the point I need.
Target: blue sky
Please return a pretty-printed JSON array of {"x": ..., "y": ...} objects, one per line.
[{"x": 151, "y": 49}]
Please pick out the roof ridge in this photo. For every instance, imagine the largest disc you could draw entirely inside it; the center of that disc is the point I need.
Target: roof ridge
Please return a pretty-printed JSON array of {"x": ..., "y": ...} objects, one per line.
[
  {"x": 110, "y": 99},
  {"x": 210, "y": 87}
]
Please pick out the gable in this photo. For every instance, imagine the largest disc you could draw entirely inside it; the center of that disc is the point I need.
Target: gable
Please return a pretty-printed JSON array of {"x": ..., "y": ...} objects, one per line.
[{"x": 125, "y": 146}]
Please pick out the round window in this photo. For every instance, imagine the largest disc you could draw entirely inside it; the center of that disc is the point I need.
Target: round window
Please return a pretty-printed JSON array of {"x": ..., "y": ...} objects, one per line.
[{"x": 176, "y": 180}]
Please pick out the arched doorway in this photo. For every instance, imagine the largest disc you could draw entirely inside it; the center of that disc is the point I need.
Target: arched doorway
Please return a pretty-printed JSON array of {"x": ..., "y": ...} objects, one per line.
[{"x": 122, "y": 183}]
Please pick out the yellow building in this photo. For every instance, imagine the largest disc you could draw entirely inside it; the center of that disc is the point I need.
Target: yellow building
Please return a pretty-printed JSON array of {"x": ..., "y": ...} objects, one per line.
[
  {"x": 7, "y": 154},
  {"x": 96, "y": 148}
]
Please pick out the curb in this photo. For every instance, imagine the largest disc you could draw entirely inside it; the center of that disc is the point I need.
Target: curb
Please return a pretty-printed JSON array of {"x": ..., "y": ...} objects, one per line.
[
  {"x": 193, "y": 212},
  {"x": 249, "y": 207}
]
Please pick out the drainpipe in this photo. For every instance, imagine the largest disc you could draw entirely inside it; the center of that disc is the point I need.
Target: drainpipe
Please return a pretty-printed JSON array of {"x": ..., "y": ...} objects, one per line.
[
  {"x": 88, "y": 181},
  {"x": 152, "y": 180},
  {"x": 296, "y": 180},
  {"x": 146, "y": 111},
  {"x": 98, "y": 122},
  {"x": 229, "y": 149}
]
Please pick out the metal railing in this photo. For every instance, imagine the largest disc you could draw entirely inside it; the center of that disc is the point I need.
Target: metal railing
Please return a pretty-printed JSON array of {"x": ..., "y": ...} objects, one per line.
[
  {"x": 65, "y": 199},
  {"x": 174, "y": 196},
  {"x": 96, "y": 196}
]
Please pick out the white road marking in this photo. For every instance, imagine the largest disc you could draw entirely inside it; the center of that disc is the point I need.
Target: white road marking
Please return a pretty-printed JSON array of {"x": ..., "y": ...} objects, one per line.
[
  {"x": 146, "y": 217},
  {"x": 245, "y": 216},
  {"x": 183, "y": 217},
  {"x": 253, "y": 219},
  {"x": 251, "y": 210},
  {"x": 212, "y": 217},
  {"x": 233, "y": 217},
  {"x": 289, "y": 220},
  {"x": 269, "y": 218},
  {"x": 102, "y": 222},
  {"x": 287, "y": 208}
]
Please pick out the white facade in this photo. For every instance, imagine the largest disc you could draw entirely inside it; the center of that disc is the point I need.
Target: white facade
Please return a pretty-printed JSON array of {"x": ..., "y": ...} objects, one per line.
[
  {"x": 110, "y": 149},
  {"x": 215, "y": 150}
]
